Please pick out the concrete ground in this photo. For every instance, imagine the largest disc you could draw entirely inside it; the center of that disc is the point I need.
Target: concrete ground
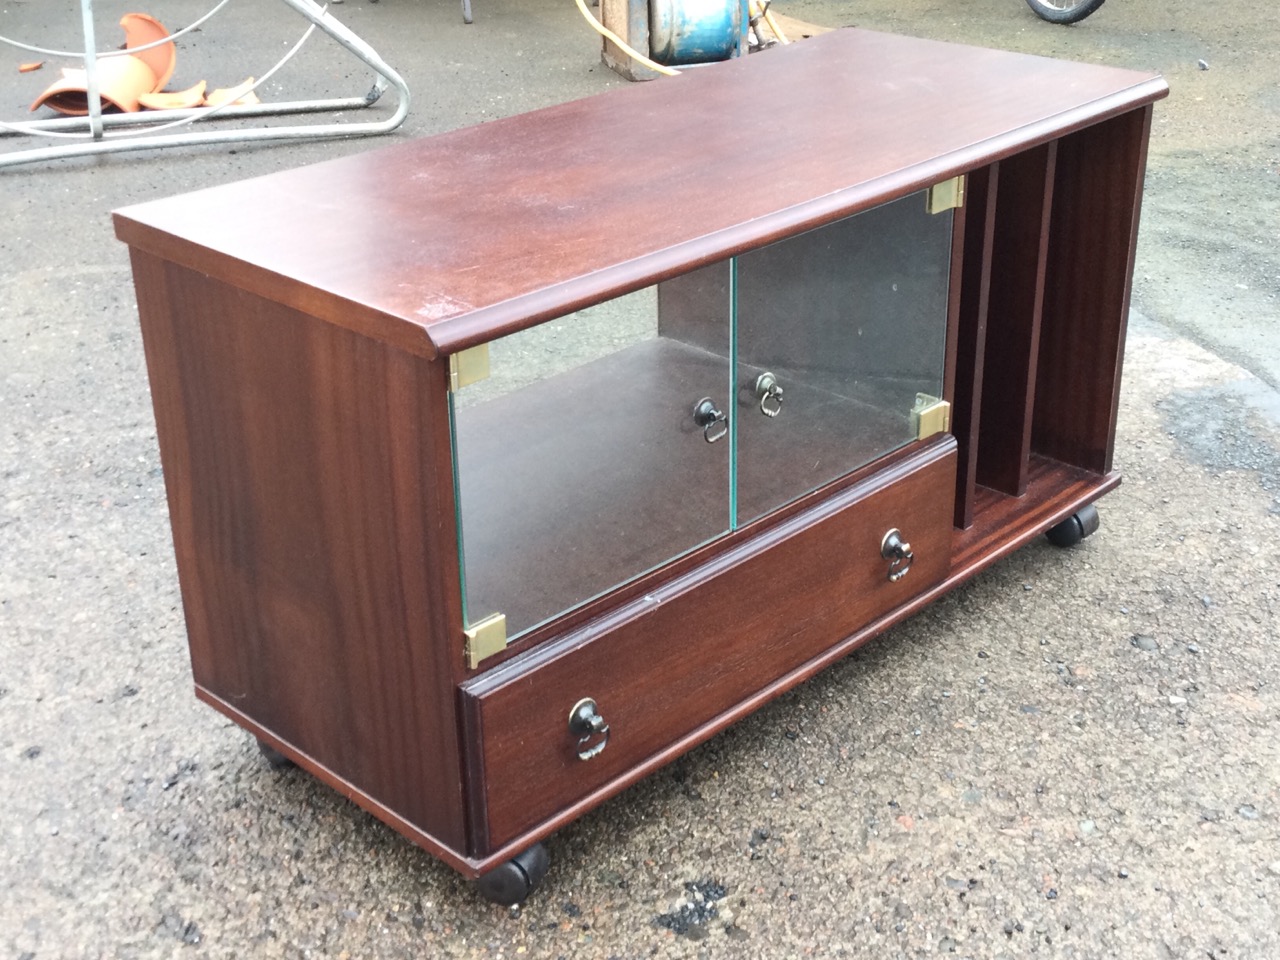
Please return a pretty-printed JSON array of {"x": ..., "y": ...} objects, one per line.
[{"x": 1077, "y": 755}]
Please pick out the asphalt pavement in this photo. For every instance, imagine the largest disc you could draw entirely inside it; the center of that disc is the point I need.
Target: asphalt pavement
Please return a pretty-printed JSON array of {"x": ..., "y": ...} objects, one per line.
[{"x": 1076, "y": 755}]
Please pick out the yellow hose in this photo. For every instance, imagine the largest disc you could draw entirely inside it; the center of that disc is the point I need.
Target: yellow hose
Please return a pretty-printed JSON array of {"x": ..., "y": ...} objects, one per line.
[
  {"x": 635, "y": 55},
  {"x": 766, "y": 15},
  {"x": 773, "y": 25}
]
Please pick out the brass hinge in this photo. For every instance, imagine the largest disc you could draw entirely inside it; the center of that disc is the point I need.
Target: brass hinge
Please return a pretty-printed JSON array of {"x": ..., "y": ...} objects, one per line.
[
  {"x": 929, "y": 416},
  {"x": 469, "y": 366},
  {"x": 946, "y": 195},
  {"x": 485, "y": 639}
]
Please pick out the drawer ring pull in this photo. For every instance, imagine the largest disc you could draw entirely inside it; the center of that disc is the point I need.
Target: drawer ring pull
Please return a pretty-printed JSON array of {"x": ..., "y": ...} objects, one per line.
[
  {"x": 898, "y": 552},
  {"x": 587, "y": 723}
]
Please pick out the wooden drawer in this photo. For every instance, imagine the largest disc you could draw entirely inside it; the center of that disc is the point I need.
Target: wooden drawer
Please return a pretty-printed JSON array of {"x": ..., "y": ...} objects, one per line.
[{"x": 677, "y": 661}]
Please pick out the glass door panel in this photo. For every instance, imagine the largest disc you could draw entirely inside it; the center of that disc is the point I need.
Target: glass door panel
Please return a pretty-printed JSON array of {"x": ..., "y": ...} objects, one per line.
[
  {"x": 596, "y": 449},
  {"x": 838, "y": 330}
]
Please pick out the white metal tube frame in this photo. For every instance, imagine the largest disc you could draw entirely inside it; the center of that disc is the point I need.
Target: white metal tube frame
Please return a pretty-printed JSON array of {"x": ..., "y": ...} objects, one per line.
[{"x": 95, "y": 126}]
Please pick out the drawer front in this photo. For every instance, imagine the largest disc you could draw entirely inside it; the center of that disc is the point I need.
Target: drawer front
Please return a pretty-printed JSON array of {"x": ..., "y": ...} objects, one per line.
[{"x": 686, "y": 654}]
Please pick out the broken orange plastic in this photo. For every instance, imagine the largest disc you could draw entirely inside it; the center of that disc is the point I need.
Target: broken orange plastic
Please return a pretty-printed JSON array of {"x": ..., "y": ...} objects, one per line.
[
  {"x": 241, "y": 94},
  {"x": 28, "y": 67},
  {"x": 141, "y": 29},
  {"x": 121, "y": 80},
  {"x": 180, "y": 100}
]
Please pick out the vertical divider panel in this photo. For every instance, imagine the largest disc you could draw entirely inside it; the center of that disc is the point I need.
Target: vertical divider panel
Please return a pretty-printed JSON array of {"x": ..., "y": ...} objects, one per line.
[
  {"x": 1086, "y": 302},
  {"x": 959, "y": 234},
  {"x": 1019, "y": 253},
  {"x": 971, "y": 332}
]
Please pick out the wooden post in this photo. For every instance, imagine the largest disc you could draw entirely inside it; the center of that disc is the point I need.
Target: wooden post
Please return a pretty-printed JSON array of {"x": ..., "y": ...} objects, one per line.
[{"x": 629, "y": 19}]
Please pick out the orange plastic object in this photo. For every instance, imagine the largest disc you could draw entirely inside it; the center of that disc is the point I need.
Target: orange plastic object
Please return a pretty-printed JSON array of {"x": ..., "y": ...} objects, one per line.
[
  {"x": 121, "y": 80},
  {"x": 239, "y": 94},
  {"x": 28, "y": 67},
  {"x": 141, "y": 29},
  {"x": 180, "y": 100}
]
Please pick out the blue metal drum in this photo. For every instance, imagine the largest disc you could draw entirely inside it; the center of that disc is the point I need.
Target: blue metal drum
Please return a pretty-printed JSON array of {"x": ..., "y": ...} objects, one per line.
[{"x": 687, "y": 32}]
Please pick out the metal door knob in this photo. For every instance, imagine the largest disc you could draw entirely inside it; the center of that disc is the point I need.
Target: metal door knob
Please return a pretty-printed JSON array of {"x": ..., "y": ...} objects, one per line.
[
  {"x": 769, "y": 391},
  {"x": 898, "y": 552},
  {"x": 586, "y": 723},
  {"x": 707, "y": 415}
]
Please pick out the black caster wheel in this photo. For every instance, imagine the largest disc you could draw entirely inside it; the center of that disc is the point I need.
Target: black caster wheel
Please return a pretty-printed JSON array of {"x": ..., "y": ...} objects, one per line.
[
  {"x": 1075, "y": 528},
  {"x": 510, "y": 883},
  {"x": 275, "y": 759}
]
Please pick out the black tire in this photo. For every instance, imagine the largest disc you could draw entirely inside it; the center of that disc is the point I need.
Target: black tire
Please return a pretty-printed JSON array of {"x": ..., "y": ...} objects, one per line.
[
  {"x": 1064, "y": 11},
  {"x": 508, "y": 884},
  {"x": 1075, "y": 528}
]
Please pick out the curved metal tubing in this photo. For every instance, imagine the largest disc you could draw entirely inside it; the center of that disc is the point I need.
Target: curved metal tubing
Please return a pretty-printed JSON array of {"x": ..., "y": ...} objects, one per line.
[
  {"x": 120, "y": 52},
  {"x": 385, "y": 78}
]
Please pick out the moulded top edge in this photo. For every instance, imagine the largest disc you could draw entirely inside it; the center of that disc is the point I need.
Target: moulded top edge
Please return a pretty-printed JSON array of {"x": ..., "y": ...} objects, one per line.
[{"x": 446, "y": 241}]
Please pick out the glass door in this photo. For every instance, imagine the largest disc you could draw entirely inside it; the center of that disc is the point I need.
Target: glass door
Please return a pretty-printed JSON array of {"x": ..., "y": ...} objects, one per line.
[
  {"x": 838, "y": 331},
  {"x": 606, "y": 443},
  {"x": 595, "y": 449}
]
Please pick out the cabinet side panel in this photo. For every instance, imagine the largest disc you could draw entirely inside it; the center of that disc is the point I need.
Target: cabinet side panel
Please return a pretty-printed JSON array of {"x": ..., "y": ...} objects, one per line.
[
  {"x": 1086, "y": 303},
  {"x": 1023, "y": 203},
  {"x": 311, "y": 511}
]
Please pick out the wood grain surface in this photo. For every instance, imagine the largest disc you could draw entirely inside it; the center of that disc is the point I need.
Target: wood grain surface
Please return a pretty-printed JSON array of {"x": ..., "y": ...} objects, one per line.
[
  {"x": 1092, "y": 238},
  {"x": 445, "y": 242},
  {"x": 295, "y": 328},
  {"x": 969, "y": 344},
  {"x": 311, "y": 505},
  {"x": 685, "y": 654},
  {"x": 1024, "y": 199}
]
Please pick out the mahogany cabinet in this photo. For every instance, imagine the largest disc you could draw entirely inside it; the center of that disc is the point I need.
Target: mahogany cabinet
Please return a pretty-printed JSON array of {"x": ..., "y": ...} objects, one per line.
[{"x": 506, "y": 465}]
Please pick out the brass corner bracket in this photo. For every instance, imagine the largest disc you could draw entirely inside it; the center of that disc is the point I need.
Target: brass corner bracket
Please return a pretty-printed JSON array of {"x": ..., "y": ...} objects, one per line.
[
  {"x": 486, "y": 638},
  {"x": 468, "y": 366},
  {"x": 930, "y": 415},
  {"x": 947, "y": 195}
]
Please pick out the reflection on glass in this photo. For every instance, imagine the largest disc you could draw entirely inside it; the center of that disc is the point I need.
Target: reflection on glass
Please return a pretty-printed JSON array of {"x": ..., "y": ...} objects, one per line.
[
  {"x": 613, "y": 440},
  {"x": 579, "y": 462},
  {"x": 838, "y": 329}
]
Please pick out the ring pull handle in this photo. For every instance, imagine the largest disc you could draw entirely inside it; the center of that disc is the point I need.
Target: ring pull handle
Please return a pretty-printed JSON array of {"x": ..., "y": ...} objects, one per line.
[
  {"x": 898, "y": 552},
  {"x": 770, "y": 393},
  {"x": 707, "y": 415},
  {"x": 586, "y": 724}
]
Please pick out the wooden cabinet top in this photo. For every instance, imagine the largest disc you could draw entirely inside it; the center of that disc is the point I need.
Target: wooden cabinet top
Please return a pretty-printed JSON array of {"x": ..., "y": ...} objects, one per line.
[{"x": 440, "y": 243}]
